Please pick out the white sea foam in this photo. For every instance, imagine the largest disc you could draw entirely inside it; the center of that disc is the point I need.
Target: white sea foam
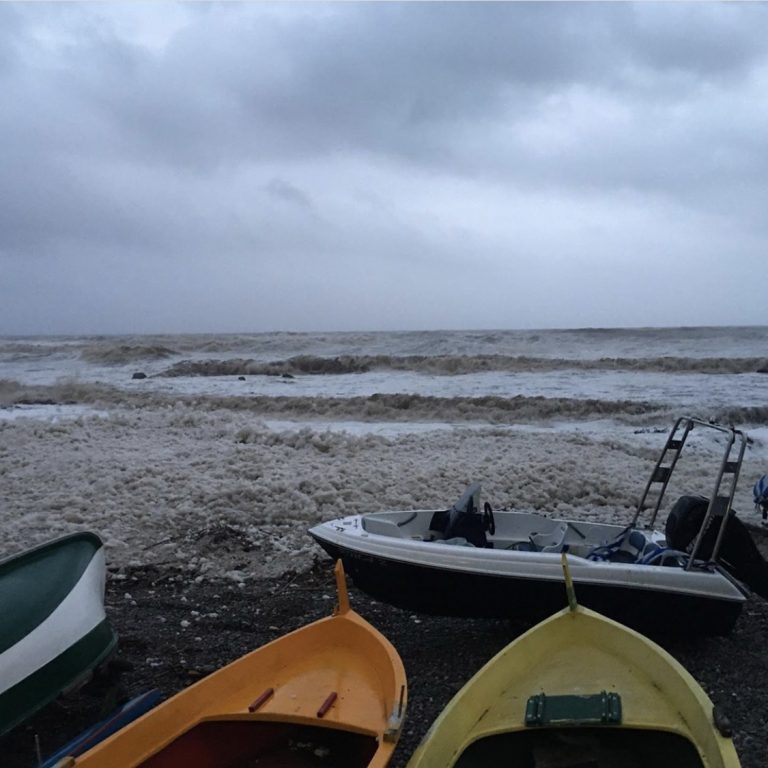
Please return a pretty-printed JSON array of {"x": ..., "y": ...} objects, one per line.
[
  {"x": 52, "y": 412},
  {"x": 216, "y": 491}
]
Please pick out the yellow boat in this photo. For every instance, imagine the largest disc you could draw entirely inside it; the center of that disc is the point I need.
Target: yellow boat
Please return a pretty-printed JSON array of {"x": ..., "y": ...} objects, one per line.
[
  {"x": 333, "y": 691},
  {"x": 579, "y": 689}
]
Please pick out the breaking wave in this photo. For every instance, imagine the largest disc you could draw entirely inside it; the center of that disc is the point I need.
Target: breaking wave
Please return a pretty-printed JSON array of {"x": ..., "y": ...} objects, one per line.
[
  {"x": 379, "y": 407},
  {"x": 114, "y": 354},
  {"x": 293, "y": 366},
  {"x": 497, "y": 410},
  {"x": 459, "y": 364}
]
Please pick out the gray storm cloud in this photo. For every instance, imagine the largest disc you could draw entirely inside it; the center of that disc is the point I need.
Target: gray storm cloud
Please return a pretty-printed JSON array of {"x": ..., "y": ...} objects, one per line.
[{"x": 381, "y": 165}]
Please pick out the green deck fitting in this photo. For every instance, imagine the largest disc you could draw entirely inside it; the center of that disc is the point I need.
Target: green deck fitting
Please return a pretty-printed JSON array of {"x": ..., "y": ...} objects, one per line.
[{"x": 595, "y": 709}]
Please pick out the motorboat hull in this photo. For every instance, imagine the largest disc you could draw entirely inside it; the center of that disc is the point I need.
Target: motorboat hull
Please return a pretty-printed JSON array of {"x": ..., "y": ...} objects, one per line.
[
  {"x": 390, "y": 556},
  {"x": 446, "y": 592}
]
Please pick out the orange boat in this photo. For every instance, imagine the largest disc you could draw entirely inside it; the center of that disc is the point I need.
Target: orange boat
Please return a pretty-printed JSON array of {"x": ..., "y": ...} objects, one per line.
[{"x": 332, "y": 693}]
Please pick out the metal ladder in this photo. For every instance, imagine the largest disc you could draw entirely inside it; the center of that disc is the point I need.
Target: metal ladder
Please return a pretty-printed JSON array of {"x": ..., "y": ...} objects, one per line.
[{"x": 720, "y": 500}]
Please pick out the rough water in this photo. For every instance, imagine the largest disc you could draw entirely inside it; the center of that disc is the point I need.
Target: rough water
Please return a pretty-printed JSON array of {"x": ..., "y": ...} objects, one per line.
[{"x": 218, "y": 451}]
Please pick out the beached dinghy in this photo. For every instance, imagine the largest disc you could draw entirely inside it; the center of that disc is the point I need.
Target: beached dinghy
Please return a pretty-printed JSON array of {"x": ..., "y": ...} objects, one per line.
[
  {"x": 53, "y": 629},
  {"x": 579, "y": 690},
  {"x": 96, "y": 733},
  {"x": 330, "y": 693},
  {"x": 467, "y": 562}
]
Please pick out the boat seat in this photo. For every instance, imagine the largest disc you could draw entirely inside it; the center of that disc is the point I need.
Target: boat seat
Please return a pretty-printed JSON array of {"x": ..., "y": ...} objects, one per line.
[
  {"x": 655, "y": 554},
  {"x": 383, "y": 527},
  {"x": 630, "y": 546},
  {"x": 463, "y": 520},
  {"x": 552, "y": 541}
]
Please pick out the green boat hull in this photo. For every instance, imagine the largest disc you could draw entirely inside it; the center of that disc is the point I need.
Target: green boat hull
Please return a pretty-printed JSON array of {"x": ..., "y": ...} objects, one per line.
[{"x": 54, "y": 632}]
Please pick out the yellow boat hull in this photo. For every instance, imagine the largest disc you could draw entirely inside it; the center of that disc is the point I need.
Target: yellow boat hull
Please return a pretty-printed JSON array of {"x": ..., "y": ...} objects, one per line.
[
  {"x": 334, "y": 688},
  {"x": 614, "y": 699}
]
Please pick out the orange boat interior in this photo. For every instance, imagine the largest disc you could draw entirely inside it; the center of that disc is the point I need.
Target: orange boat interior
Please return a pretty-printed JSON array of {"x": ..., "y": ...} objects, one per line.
[{"x": 259, "y": 744}]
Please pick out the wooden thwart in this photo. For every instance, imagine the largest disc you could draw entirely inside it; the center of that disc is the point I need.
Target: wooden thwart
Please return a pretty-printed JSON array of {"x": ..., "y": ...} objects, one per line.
[
  {"x": 257, "y": 703},
  {"x": 327, "y": 704}
]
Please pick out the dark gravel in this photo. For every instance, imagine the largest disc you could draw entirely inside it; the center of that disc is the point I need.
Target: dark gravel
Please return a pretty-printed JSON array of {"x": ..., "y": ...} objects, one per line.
[{"x": 150, "y": 609}]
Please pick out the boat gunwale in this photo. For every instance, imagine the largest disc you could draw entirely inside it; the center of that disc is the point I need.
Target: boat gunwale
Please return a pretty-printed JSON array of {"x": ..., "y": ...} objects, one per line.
[
  {"x": 314, "y": 627},
  {"x": 464, "y": 560},
  {"x": 40, "y": 549}
]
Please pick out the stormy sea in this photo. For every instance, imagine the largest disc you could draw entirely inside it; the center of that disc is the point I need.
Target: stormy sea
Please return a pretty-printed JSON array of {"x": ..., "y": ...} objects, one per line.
[{"x": 158, "y": 442}]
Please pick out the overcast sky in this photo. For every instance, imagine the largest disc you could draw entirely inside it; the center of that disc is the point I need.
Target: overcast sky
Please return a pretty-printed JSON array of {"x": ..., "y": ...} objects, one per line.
[{"x": 323, "y": 166}]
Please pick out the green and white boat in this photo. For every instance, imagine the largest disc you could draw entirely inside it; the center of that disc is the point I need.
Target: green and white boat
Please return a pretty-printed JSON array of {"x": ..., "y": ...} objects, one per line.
[{"x": 54, "y": 631}]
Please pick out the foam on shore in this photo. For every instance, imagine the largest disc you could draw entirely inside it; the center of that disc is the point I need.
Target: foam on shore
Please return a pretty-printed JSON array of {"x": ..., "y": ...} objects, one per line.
[{"x": 218, "y": 492}]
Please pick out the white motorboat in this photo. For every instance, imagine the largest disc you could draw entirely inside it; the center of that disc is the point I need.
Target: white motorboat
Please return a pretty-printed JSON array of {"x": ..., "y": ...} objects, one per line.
[{"x": 470, "y": 560}]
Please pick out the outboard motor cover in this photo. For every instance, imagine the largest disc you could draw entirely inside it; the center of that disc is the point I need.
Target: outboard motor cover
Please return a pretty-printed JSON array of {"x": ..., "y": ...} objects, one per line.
[{"x": 738, "y": 553}]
